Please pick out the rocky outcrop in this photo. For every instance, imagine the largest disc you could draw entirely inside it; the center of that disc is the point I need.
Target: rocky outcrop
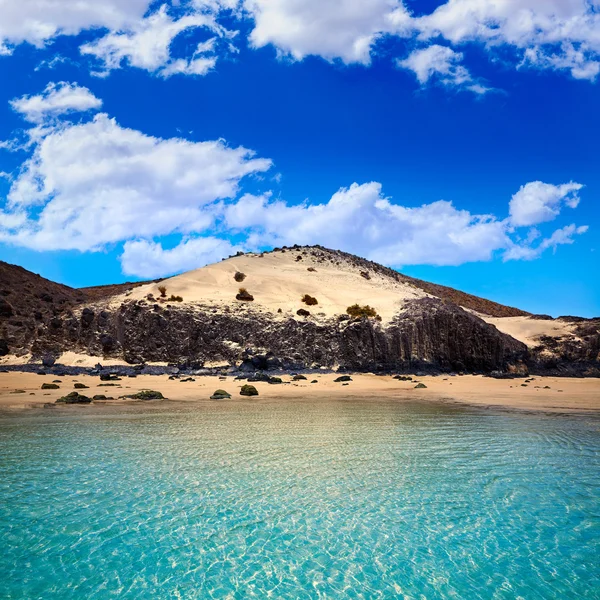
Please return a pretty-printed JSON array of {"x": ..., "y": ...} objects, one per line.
[
  {"x": 429, "y": 334},
  {"x": 577, "y": 354}
]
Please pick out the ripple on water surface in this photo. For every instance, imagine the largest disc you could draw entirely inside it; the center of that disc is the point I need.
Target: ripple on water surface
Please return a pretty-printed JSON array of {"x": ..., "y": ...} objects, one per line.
[{"x": 323, "y": 499}]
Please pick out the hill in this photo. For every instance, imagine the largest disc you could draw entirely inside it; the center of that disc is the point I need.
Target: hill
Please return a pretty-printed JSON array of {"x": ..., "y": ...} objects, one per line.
[{"x": 288, "y": 309}]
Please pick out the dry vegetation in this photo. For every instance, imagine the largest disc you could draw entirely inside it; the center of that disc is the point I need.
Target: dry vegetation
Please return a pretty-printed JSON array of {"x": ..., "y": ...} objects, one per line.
[
  {"x": 309, "y": 300},
  {"x": 244, "y": 295},
  {"x": 358, "y": 312}
]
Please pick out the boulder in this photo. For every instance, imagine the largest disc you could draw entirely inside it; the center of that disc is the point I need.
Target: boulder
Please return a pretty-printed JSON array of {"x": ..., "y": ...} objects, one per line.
[
  {"x": 48, "y": 360},
  {"x": 342, "y": 379},
  {"x": 146, "y": 395},
  {"x": 248, "y": 390},
  {"x": 74, "y": 398}
]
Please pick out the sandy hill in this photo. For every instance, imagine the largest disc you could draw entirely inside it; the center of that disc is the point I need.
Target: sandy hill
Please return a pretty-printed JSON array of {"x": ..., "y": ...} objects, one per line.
[
  {"x": 279, "y": 279},
  {"x": 197, "y": 317}
]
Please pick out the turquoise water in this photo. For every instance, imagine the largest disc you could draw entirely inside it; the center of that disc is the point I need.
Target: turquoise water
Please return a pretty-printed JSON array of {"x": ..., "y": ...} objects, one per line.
[{"x": 315, "y": 499}]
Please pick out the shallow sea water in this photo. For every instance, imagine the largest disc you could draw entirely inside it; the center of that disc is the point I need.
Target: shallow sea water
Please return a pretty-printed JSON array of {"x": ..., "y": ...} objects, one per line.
[{"x": 313, "y": 499}]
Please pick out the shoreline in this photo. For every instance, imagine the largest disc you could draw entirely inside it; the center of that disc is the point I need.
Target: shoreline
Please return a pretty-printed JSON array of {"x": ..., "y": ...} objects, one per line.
[{"x": 557, "y": 395}]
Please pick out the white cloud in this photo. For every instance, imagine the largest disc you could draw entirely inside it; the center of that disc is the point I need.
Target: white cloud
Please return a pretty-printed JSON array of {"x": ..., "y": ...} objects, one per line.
[
  {"x": 96, "y": 183},
  {"x": 565, "y": 30},
  {"x": 359, "y": 219},
  {"x": 543, "y": 34},
  {"x": 40, "y": 21},
  {"x": 538, "y": 202},
  {"x": 56, "y": 100},
  {"x": 142, "y": 258},
  {"x": 443, "y": 64},
  {"x": 555, "y": 34},
  {"x": 344, "y": 29},
  {"x": 88, "y": 185},
  {"x": 565, "y": 235},
  {"x": 147, "y": 45}
]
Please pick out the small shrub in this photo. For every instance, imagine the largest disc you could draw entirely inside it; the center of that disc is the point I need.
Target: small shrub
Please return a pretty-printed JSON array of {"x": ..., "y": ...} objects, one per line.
[
  {"x": 50, "y": 386},
  {"x": 420, "y": 386},
  {"x": 298, "y": 258},
  {"x": 302, "y": 312},
  {"x": 342, "y": 379},
  {"x": 309, "y": 300},
  {"x": 163, "y": 290},
  {"x": 311, "y": 269},
  {"x": 175, "y": 298},
  {"x": 358, "y": 312},
  {"x": 80, "y": 386},
  {"x": 244, "y": 295},
  {"x": 365, "y": 274},
  {"x": 239, "y": 276}
]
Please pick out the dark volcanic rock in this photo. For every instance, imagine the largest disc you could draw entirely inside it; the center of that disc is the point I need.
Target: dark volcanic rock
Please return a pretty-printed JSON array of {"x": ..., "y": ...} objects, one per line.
[{"x": 6, "y": 310}]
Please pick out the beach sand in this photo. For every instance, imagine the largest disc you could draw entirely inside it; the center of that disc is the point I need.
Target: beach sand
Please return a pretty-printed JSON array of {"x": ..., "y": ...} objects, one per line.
[{"x": 563, "y": 395}]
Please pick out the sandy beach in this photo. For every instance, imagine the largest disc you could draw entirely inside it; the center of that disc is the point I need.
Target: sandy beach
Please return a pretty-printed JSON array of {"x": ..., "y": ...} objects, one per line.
[{"x": 548, "y": 394}]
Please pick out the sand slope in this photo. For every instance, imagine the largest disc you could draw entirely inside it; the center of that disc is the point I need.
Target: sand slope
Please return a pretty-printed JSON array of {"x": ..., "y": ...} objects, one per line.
[{"x": 278, "y": 281}]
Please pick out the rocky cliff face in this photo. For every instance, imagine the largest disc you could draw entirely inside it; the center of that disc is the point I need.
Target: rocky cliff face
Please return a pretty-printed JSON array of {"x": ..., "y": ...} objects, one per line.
[{"x": 429, "y": 334}]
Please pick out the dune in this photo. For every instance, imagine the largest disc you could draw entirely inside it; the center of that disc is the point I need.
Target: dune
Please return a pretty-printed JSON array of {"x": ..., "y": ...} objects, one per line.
[{"x": 278, "y": 280}]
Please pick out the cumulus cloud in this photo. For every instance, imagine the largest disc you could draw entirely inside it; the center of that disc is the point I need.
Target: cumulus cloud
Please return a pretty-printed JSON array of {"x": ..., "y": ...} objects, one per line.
[
  {"x": 38, "y": 22},
  {"x": 147, "y": 45},
  {"x": 143, "y": 258},
  {"x": 442, "y": 64},
  {"x": 56, "y": 100},
  {"x": 92, "y": 184},
  {"x": 565, "y": 235},
  {"x": 538, "y": 202},
  {"x": 336, "y": 29},
  {"x": 541, "y": 34},
  {"x": 555, "y": 34},
  {"x": 359, "y": 219},
  {"x": 95, "y": 183}
]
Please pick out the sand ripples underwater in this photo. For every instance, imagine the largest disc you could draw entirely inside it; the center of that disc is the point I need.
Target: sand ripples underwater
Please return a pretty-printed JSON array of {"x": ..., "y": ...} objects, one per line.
[{"x": 316, "y": 499}]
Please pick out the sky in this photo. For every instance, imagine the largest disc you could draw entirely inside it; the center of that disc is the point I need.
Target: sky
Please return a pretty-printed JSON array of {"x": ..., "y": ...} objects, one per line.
[{"x": 456, "y": 141}]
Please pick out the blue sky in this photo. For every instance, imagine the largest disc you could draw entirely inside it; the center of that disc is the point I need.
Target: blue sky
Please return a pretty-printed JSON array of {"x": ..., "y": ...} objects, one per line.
[{"x": 455, "y": 141}]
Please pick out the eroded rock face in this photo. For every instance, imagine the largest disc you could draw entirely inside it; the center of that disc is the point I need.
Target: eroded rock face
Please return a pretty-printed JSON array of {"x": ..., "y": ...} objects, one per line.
[{"x": 429, "y": 334}]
